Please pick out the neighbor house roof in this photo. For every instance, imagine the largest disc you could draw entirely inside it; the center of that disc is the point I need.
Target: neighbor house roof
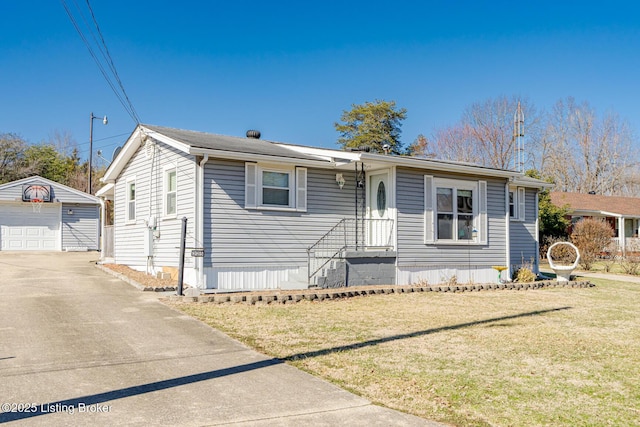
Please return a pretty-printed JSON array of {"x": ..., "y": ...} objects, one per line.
[{"x": 596, "y": 203}]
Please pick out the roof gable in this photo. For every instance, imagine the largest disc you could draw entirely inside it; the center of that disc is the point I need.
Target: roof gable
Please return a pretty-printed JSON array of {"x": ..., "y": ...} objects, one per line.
[{"x": 61, "y": 193}]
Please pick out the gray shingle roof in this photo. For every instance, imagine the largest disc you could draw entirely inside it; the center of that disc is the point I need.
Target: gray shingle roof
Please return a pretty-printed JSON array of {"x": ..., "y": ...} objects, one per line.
[{"x": 230, "y": 143}]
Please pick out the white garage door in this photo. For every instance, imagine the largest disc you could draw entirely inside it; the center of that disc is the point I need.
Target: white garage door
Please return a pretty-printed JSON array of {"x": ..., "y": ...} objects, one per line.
[{"x": 21, "y": 229}]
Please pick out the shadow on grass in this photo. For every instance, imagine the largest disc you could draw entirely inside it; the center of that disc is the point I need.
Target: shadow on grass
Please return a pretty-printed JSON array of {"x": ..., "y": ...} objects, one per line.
[
  {"x": 418, "y": 334},
  {"x": 74, "y": 405}
]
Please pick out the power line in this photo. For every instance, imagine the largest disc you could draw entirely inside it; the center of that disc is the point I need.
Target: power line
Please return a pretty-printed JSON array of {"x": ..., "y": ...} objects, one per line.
[{"x": 102, "y": 47}]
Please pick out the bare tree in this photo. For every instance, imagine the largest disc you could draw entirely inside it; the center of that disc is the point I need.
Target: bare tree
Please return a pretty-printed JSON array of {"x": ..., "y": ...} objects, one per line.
[
  {"x": 584, "y": 153},
  {"x": 485, "y": 133}
]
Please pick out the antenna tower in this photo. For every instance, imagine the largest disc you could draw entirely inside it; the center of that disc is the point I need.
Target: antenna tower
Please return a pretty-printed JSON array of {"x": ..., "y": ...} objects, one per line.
[{"x": 518, "y": 138}]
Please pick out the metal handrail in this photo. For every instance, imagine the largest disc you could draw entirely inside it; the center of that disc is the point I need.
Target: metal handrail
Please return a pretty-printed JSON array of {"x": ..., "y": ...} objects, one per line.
[{"x": 333, "y": 244}]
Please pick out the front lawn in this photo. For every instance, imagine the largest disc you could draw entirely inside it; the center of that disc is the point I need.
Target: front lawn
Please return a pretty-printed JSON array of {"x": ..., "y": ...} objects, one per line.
[{"x": 557, "y": 356}]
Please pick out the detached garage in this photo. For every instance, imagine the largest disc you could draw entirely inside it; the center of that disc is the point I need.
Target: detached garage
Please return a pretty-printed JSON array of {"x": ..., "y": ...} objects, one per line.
[{"x": 37, "y": 214}]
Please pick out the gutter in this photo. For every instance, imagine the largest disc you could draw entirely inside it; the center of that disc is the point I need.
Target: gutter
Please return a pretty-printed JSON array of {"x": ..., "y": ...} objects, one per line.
[{"x": 222, "y": 154}]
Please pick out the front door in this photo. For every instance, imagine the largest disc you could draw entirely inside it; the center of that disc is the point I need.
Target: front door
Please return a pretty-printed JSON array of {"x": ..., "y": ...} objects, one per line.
[{"x": 379, "y": 222}]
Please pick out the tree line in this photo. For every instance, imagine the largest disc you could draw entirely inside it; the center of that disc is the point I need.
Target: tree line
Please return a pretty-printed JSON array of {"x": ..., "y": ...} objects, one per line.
[
  {"x": 57, "y": 160},
  {"x": 570, "y": 145}
]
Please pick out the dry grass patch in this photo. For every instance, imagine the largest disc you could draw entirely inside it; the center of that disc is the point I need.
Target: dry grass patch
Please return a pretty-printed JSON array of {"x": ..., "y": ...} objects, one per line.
[{"x": 561, "y": 356}]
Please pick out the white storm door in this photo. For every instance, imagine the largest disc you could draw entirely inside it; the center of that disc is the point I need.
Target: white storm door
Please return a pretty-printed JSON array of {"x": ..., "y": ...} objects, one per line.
[{"x": 379, "y": 224}]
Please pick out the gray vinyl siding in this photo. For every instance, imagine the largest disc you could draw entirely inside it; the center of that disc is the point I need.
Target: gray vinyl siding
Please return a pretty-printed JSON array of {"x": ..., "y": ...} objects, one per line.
[
  {"x": 80, "y": 226},
  {"x": 412, "y": 251},
  {"x": 130, "y": 238},
  {"x": 251, "y": 237},
  {"x": 523, "y": 233}
]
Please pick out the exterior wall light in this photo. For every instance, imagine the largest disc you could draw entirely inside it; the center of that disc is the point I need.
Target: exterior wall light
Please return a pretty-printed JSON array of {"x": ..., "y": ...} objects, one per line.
[{"x": 340, "y": 180}]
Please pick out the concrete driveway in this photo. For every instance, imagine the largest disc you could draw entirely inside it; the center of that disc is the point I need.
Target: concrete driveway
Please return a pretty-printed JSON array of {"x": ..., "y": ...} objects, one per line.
[{"x": 79, "y": 347}]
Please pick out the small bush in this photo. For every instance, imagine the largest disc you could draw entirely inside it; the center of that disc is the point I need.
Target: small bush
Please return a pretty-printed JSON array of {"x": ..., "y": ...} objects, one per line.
[
  {"x": 630, "y": 264},
  {"x": 563, "y": 254},
  {"x": 524, "y": 275},
  {"x": 591, "y": 236}
]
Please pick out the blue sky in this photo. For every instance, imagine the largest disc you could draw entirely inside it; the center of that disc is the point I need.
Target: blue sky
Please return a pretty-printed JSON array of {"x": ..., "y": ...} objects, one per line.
[{"x": 290, "y": 68}]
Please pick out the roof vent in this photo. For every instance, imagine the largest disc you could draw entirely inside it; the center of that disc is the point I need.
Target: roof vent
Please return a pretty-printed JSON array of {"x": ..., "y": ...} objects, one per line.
[{"x": 255, "y": 134}]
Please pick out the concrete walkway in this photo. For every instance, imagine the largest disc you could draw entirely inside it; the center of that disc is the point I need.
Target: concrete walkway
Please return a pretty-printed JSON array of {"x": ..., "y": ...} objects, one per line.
[
  {"x": 597, "y": 275},
  {"x": 80, "y": 347}
]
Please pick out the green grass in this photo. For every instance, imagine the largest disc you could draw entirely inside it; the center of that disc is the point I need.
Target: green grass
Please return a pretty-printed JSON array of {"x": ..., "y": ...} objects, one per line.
[{"x": 558, "y": 356}]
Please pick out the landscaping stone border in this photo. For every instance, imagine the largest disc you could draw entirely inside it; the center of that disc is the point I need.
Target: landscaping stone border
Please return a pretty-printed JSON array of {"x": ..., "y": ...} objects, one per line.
[{"x": 295, "y": 296}]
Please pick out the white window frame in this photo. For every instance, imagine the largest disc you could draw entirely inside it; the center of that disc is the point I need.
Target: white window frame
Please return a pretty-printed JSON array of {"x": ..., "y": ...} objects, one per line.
[
  {"x": 519, "y": 203},
  {"x": 165, "y": 193},
  {"x": 254, "y": 188},
  {"x": 127, "y": 213},
  {"x": 479, "y": 210}
]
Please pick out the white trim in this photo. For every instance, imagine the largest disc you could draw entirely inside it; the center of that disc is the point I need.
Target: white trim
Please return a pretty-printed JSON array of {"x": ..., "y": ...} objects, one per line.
[
  {"x": 477, "y": 217},
  {"x": 297, "y": 187},
  {"x": 166, "y": 170},
  {"x": 199, "y": 213},
  {"x": 300, "y": 189},
  {"x": 127, "y": 219},
  {"x": 261, "y": 158},
  {"x": 429, "y": 211},
  {"x": 507, "y": 234},
  {"x": 522, "y": 202}
]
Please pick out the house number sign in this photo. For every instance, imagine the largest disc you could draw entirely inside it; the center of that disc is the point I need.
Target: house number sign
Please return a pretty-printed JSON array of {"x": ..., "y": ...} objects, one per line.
[{"x": 197, "y": 252}]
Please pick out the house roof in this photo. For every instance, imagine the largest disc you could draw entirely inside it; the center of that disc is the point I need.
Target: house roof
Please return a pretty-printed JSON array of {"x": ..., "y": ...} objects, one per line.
[
  {"x": 252, "y": 149},
  {"x": 231, "y": 144},
  {"x": 597, "y": 203}
]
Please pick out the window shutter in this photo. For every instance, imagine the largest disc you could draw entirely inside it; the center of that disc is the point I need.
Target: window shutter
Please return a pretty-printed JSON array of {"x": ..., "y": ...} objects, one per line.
[
  {"x": 301, "y": 189},
  {"x": 250, "y": 185},
  {"x": 482, "y": 212},
  {"x": 429, "y": 226},
  {"x": 521, "y": 203}
]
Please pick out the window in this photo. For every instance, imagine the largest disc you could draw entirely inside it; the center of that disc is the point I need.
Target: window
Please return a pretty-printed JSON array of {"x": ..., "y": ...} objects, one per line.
[
  {"x": 512, "y": 203},
  {"x": 170, "y": 191},
  {"x": 275, "y": 187},
  {"x": 131, "y": 200},
  {"x": 455, "y": 211},
  {"x": 276, "y": 190},
  {"x": 516, "y": 203}
]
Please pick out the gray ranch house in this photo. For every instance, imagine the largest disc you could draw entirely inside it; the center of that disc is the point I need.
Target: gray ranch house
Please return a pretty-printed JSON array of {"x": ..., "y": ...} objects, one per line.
[
  {"x": 62, "y": 218},
  {"x": 273, "y": 215}
]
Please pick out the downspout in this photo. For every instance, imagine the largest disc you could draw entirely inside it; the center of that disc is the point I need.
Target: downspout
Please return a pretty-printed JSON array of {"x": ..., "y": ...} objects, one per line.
[
  {"x": 507, "y": 222},
  {"x": 102, "y": 221},
  {"x": 537, "y": 266},
  {"x": 199, "y": 225}
]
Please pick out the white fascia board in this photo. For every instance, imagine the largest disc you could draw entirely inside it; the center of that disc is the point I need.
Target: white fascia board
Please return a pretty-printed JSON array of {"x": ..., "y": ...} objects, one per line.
[
  {"x": 532, "y": 184},
  {"x": 327, "y": 153},
  {"x": 107, "y": 189},
  {"x": 588, "y": 212},
  {"x": 438, "y": 166},
  {"x": 128, "y": 150},
  {"x": 166, "y": 140},
  {"x": 130, "y": 147},
  {"x": 233, "y": 155}
]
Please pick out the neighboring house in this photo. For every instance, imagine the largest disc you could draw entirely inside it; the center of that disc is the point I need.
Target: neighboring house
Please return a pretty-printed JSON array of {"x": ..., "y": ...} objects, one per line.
[
  {"x": 65, "y": 218},
  {"x": 621, "y": 213},
  {"x": 274, "y": 215}
]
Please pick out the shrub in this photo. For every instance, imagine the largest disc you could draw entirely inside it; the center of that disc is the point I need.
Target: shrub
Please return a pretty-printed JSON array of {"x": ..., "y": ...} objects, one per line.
[
  {"x": 524, "y": 274},
  {"x": 630, "y": 264},
  {"x": 591, "y": 236},
  {"x": 563, "y": 254}
]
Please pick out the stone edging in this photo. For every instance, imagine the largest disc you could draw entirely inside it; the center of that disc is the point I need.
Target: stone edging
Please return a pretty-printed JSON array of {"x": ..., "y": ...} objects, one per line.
[
  {"x": 290, "y": 297},
  {"x": 133, "y": 282}
]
